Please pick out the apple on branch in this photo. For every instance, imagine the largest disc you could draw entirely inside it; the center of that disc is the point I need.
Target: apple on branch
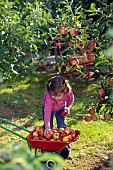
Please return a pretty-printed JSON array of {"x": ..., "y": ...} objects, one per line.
[
  {"x": 91, "y": 44},
  {"x": 73, "y": 31},
  {"x": 73, "y": 61},
  {"x": 102, "y": 92},
  {"x": 91, "y": 57},
  {"x": 62, "y": 30}
]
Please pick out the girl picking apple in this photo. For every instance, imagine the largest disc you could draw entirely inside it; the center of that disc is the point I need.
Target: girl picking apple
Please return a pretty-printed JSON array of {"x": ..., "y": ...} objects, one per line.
[{"x": 58, "y": 96}]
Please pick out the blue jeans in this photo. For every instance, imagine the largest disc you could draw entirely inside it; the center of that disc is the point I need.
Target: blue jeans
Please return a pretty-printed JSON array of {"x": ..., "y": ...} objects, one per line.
[{"x": 61, "y": 121}]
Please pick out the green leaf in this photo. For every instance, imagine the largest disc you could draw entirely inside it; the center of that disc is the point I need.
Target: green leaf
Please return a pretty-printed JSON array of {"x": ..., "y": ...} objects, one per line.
[{"x": 92, "y": 7}]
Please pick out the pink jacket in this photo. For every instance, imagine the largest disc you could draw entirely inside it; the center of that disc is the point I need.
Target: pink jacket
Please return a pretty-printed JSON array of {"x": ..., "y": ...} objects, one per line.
[{"x": 51, "y": 104}]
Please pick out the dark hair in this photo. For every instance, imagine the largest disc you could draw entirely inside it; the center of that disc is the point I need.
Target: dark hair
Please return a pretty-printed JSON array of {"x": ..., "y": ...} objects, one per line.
[{"x": 57, "y": 84}]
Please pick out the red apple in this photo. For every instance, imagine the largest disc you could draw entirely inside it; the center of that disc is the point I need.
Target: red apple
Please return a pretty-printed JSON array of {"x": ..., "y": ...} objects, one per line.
[
  {"x": 73, "y": 61},
  {"x": 70, "y": 137},
  {"x": 42, "y": 138},
  {"x": 94, "y": 117},
  {"x": 83, "y": 51},
  {"x": 91, "y": 110},
  {"x": 67, "y": 131},
  {"x": 36, "y": 138},
  {"x": 64, "y": 113},
  {"x": 87, "y": 118},
  {"x": 56, "y": 135},
  {"x": 63, "y": 134},
  {"x": 70, "y": 44},
  {"x": 91, "y": 57},
  {"x": 91, "y": 44},
  {"x": 59, "y": 140},
  {"x": 49, "y": 135},
  {"x": 73, "y": 135},
  {"x": 52, "y": 140},
  {"x": 102, "y": 92},
  {"x": 54, "y": 130},
  {"x": 57, "y": 38},
  {"x": 62, "y": 30},
  {"x": 73, "y": 31},
  {"x": 35, "y": 134},
  {"x": 72, "y": 130},
  {"x": 41, "y": 132},
  {"x": 110, "y": 82}
]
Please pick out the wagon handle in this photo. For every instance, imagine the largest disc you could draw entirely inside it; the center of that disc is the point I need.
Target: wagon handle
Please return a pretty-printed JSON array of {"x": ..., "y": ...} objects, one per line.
[{"x": 20, "y": 127}]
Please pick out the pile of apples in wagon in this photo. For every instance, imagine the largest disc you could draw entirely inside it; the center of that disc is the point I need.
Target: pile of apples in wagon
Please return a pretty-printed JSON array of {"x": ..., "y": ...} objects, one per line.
[{"x": 58, "y": 134}]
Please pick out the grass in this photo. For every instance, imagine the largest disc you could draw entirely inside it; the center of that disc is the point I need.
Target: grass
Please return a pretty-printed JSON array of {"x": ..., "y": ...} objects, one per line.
[{"x": 20, "y": 103}]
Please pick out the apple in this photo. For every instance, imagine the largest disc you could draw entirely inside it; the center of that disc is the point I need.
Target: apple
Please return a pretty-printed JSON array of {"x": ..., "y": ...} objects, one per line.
[
  {"x": 60, "y": 130},
  {"x": 91, "y": 57},
  {"x": 70, "y": 44},
  {"x": 73, "y": 61},
  {"x": 36, "y": 138},
  {"x": 54, "y": 130},
  {"x": 63, "y": 134},
  {"x": 41, "y": 132},
  {"x": 56, "y": 135},
  {"x": 94, "y": 117},
  {"x": 70, "y": 137},
  {"x": 62, "y": 30},
  {"x": 73, "y": 31},
  {"x": 65, "y": 139},
  {"x": 57, "y": 38},
  {"x": 59, "y": 140},
  {"x": 64, "y": 113},
  {"x": 110, "y": 82},
  {"x": 37, "y": 128},
  {"x": 40, "y": 63},
  {"x": 87, "y": 118},
  {"x": 72, "y": 130},
  {"x": 49, "y": 135},
  {"x": 73, "y": 135},
  {"x": 35, "y": 134},
  {"x": 52, "y": 140},
  {"x": 102, "y": 92},
  {"x": 91, "y": 44},
  {"x": 67, "y": 131},
  {"x": 107, "y": 116},
  {"x": 111, "y": 45},
  {"x": 91, "y": 110},
  {"x": 83, "y": 51},
  {"x": 42, "y": 138}
]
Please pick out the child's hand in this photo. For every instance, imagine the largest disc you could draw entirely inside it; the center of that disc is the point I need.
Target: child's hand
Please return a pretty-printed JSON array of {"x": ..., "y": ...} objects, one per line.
[
  {"x": 47, "y": 131},
  {"x": 67, "y": 109}
]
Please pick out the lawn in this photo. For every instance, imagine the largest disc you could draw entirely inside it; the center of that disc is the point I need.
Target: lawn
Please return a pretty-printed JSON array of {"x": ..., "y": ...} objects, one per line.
[{"x": 20, "y": 103}]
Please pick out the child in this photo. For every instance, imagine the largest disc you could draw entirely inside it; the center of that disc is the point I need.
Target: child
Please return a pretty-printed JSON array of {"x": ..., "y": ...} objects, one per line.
[{"x": 58, "y": 93}]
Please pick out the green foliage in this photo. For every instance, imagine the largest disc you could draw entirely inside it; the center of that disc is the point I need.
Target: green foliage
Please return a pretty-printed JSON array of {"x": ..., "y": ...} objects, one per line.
[
  {"x": 20, "y": 158},
  {"x": 28, "y": 30}
]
